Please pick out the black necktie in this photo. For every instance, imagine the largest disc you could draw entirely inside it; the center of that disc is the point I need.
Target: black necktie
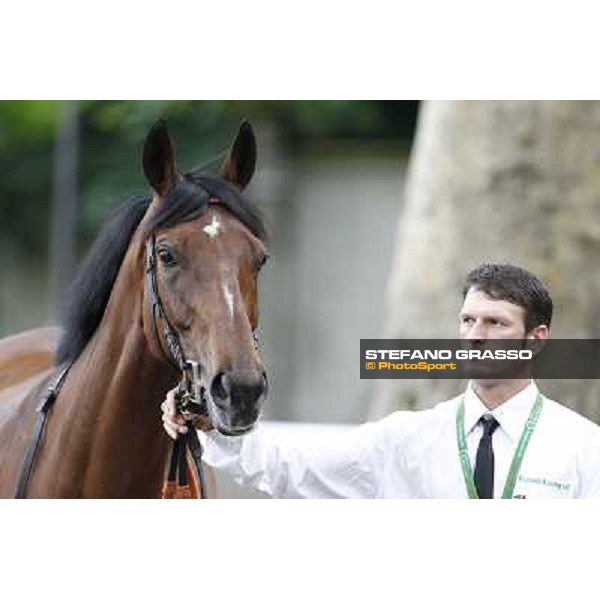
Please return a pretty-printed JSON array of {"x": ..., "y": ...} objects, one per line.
[{"x": 484, "y": 464}]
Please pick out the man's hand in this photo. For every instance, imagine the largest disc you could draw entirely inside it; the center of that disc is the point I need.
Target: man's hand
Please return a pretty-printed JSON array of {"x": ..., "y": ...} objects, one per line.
[{"x": 176, "y": 424}]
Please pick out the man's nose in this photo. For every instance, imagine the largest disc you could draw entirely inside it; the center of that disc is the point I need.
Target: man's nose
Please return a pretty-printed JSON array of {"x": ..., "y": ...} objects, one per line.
[{"x": 477, "y": 331}]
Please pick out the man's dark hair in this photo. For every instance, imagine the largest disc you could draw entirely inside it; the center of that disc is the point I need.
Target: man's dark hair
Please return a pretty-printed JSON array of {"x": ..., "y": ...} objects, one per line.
[{"x": 516, "y": 285}]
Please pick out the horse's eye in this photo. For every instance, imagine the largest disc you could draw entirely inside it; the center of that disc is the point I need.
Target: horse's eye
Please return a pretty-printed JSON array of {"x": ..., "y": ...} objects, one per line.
[
  {"x": 166, "y": 256},
  {"x": 261, "y": 261}
]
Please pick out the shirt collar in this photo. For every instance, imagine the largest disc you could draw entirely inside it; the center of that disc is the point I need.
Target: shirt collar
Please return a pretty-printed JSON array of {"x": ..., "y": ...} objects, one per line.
[{"x": 511, "y": 415}]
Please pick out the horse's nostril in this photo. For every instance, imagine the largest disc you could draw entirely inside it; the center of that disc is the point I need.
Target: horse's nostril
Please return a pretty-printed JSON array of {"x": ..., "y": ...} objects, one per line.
[{"x": 219, "y": 387}]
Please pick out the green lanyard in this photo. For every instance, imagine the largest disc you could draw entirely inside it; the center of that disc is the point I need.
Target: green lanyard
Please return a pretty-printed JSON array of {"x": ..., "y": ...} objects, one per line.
[{"x": 515, "y": 466}]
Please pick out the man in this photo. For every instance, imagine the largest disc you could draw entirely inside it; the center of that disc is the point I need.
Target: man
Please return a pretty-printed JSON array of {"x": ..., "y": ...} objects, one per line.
[{"x": 501, "y": 438}]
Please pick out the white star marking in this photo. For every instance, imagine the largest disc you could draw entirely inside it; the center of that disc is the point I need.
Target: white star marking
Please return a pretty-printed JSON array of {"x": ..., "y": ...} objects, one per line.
[{"x": 212, "y": 230}]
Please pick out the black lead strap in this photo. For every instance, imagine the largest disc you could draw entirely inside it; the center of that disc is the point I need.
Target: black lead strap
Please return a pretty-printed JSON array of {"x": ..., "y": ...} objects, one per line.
[
  {"x": 177, "y": 471},
  {"x": 195, "y": 448}
]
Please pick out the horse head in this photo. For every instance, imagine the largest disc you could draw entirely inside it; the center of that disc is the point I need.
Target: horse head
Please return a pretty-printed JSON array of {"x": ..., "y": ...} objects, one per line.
[{"x": 205, "y": 247}]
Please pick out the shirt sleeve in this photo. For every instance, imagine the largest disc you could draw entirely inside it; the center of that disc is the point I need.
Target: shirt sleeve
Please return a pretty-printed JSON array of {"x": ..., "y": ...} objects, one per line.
[
  {"x": 346, "y": 464},
  {"x": 589, "y": 466}
]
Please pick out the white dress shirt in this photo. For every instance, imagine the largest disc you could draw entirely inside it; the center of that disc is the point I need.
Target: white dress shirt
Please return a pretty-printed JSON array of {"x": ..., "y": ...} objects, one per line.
[{"x": 415, "y": 455}]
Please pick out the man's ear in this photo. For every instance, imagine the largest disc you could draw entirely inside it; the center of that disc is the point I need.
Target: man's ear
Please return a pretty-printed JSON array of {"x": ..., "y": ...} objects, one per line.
[
  {"x": 159, "y": 159},
  {"x": 536, "y": 339},
  {"x": 541, "y": 332},
  {"x": 240, "y": 163}
]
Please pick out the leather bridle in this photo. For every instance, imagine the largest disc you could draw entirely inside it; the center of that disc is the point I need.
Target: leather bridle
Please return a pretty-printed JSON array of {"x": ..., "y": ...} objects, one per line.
[
  {"x": 189, "y": 396},
  {"x": 174, "y": 352}
]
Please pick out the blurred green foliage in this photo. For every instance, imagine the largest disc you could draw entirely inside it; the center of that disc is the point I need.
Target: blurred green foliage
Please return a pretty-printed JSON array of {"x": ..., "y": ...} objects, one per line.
[{"x": 111, "y": 139}]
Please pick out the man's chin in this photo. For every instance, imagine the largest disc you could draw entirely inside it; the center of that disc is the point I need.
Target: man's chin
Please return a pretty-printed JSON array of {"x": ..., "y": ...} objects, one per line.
[{"x": 486, "y": 382}]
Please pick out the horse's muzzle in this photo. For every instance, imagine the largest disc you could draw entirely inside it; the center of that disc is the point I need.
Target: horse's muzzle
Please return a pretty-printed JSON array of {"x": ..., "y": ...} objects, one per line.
[{"x": 237, "y": 400}]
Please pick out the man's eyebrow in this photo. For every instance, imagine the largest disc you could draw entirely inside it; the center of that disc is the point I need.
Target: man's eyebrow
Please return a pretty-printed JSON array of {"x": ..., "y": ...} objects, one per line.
[{"x": 484, "y": 316}]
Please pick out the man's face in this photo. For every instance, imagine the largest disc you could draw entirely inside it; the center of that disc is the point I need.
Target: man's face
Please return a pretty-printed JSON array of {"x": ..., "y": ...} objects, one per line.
[{"x": 483, "y": 318}]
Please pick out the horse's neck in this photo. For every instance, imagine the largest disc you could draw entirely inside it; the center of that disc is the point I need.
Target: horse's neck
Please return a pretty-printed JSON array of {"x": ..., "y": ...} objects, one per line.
[{"x": 105, "y": 428}]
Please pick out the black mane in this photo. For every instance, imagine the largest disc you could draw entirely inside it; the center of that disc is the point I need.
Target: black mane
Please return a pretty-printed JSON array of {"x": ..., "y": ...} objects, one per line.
[{"x": 92, "y": 286}]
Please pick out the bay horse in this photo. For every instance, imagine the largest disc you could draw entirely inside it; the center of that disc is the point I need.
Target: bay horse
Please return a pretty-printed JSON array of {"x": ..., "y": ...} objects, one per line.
[{"x": 203, "y": 245}]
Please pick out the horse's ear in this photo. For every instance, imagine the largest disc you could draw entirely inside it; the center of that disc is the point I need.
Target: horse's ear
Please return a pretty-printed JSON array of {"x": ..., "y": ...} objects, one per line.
[
  {"x": 241, "y": 161},
  {"x": 159, "y": 159}
]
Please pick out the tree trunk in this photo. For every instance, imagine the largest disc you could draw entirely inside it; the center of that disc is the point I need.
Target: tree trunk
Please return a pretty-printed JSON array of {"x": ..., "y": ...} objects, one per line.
[
  {"x": 64, "y": 202},
  {"x": 506, "y": 181}
]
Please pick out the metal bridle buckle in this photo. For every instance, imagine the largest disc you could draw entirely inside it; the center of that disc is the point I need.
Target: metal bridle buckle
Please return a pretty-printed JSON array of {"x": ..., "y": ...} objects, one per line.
[{"x": 189, "y": 396}]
